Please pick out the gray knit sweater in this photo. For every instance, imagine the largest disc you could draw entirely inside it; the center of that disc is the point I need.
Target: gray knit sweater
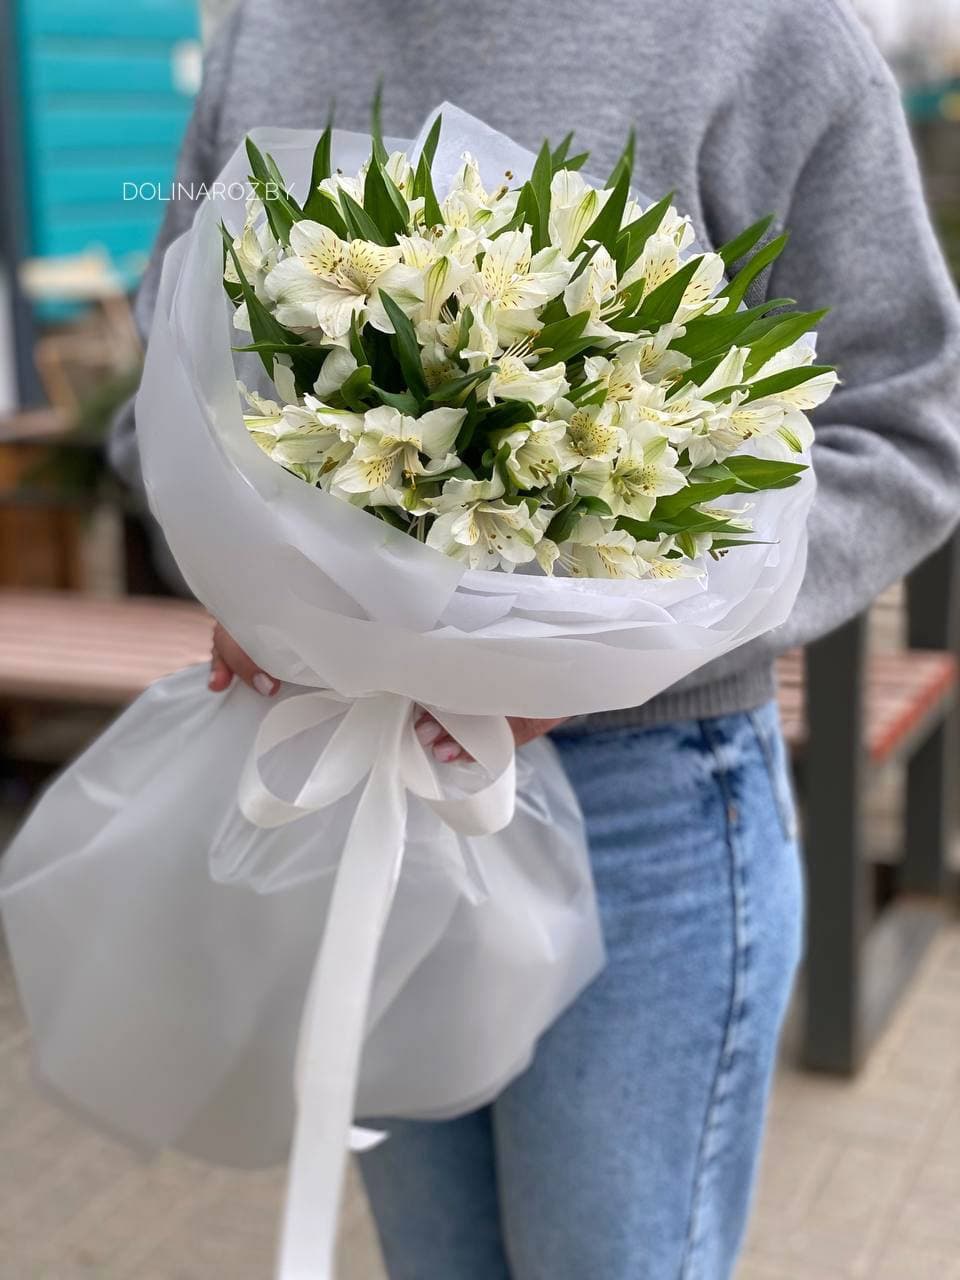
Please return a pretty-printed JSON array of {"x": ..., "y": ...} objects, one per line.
[{"x": 744, "y": 107}]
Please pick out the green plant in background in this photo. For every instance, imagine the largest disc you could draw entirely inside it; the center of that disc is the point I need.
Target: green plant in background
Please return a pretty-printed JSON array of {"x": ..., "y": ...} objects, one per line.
[{"x": 75, "y": 468}]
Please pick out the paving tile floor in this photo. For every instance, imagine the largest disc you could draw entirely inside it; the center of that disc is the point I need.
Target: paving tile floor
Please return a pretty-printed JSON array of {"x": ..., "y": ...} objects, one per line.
[{"x": 859, "y": 1180}]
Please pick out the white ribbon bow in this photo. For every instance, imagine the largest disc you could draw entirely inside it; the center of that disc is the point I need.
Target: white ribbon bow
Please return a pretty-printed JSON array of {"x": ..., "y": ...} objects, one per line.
[{"x": 374, "y": 740}]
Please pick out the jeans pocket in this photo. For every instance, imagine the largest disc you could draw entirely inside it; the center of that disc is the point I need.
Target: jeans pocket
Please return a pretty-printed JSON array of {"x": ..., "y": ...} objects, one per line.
[{"x": 766, "y": 726}]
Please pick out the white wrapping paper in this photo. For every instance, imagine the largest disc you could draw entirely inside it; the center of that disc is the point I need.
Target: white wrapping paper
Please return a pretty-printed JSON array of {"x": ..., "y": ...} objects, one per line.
[{"x": 166, "y": 900}]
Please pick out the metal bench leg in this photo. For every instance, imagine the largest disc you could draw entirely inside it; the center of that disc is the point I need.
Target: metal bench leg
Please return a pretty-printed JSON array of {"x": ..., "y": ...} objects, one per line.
[
  {"x": 932, "y": 611},
  {"x": 836, "y": 871},
  {"x": 929, "y": 814}
]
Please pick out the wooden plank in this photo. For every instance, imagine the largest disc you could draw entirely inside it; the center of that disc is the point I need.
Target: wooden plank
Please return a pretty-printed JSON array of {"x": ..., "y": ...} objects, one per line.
[
  {"x": 905, "y": 694},
  {"x": 59, "y": 646}
]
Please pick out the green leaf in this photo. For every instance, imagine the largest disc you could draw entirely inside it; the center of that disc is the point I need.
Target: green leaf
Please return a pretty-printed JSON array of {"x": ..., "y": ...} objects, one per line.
[
  {"x": 661, "y": 304},
  {"x": 595, "y": 506},
  {"x": 577, "y": 161},
  {"x": 780, "y": 336},
  {"x": 764, "y": 473},
  {"x": 669, "y": 507},
  {"x": 689, "y": 521},
  {"x": 430, "y": 144},
  {"x": 360, "y": 225},
  {"x": 736, "y": 290},
  {"x": 560, "y": 153},
  {"x": 281, "y": 212},
  {"x": 735, "y": 249},
  {"x": 624, "y": 166},
  {"x": 511, "y": 413},
  {"x": 724, "y": 544},
  {"x": 564, "y": 522},
  {"x": 376, "y": 125},
  {"x": 635, "y": 234},
  {"x": 324, "y": 210},
  {"x": 356, "y": 387},
  {"x": 264, "y": 326},
  {"x": 469, "y": 425},
  {"x": 561, "y": 331},
  {"x": 577, "y": 395},
  {"x": 423, "y": 186},
  {"x": 319, "y": 172},
  {"x": 786, "y": 381},
  {"x": 390, "y": 516},
  {"x": 706, "y": 335},
  {"x": 407, "y": 348},
  {"x": 606, "y": 225},
  {"x": 540, "y": 184},
  {"x": 402, "y": 401},
  {"x": 529, "y": 210},
  {"x": 500, "y": 462},
  {"x": 455, "y": 388},
  {"x": 383, "y": 203}
]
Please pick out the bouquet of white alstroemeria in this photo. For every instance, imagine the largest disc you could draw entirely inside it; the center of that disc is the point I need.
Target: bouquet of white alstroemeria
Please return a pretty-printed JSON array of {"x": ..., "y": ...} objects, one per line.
[
  {"x": 226, "y": 894},
  {"x": 537, "y": 374}
]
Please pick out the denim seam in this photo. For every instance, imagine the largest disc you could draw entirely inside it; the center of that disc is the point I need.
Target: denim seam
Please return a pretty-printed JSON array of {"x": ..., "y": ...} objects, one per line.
[
  {"x": 782, "y": 803},
  {"x": 719, "y": 1092}
]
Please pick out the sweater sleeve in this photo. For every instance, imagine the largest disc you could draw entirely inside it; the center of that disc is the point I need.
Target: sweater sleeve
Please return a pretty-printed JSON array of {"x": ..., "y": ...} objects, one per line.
[
  {"x": 197, "y": 165},
  {"x": 887, "y": 447}
]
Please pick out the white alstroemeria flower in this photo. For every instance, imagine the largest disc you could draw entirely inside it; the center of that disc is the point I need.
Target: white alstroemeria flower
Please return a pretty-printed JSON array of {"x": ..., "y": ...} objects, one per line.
[
  {"x": 470, "y": 207},
  {"x": 488, "y": 535},
  {"x": 595, "y": 291},
  {"x": 673, "y": 225},
  {"x": 308, "y": 439},
  {"x": 327, "y": 281},
  {"x": 653, "y": 565},
  {"x": 652, "y": 411},
  {"x": 651, "y": 353},
  {"x": 512, "y": 279},
  {"x": 314, "y": 440},
  {"x": 257, "y": 252},
  {"x": 661, "y": 259},
  {"x": 458, "y": 492},
  {"x": 730, "y": 426},
  {"x": 591, "y": 432},
  {"x": 596, "y": 549},
  {"x": 630, "y": 485},
  {"x": 264, "y": 423},
  {"x": 339, "y": 364},
  {"x": 515, "y": 380},
  {"x": 400, "y": 172},
  {"x": 352, "y": 184},
  {"x": 621, "y": 376},
  {"x": 574, "y": 205},
  {"x": 534, "y": 460},
  {"x": 389, "y": 449}
]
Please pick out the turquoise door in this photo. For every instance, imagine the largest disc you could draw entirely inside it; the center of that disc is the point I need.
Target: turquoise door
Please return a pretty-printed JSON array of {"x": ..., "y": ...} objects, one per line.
[{"x": 106, "y": 91}]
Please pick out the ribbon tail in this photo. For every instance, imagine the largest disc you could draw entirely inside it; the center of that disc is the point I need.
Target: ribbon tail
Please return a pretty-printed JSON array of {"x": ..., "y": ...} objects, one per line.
[{"x": 334, "y": 1023}]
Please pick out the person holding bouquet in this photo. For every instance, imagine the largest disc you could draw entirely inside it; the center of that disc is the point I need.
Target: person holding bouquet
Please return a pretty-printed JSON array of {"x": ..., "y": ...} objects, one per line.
[{"x": 629, "y": 1146}]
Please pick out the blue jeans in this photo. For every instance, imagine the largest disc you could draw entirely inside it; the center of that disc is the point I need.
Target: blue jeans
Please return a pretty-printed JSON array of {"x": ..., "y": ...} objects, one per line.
[{"x": 627, "y": 1151}]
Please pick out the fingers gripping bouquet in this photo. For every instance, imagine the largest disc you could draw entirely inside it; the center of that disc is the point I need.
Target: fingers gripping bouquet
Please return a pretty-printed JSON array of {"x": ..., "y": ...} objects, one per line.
[{"x": 503, "y": 447}]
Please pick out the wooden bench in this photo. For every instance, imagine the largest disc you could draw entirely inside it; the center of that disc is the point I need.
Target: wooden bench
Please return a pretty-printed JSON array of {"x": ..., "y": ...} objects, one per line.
[
  {"x": 862, "y": 715},
  {"x": 61, "y": 647}
]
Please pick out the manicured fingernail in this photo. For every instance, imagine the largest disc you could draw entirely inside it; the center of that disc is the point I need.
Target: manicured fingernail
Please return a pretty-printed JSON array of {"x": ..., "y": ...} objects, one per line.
[
  {"x": 263, "y": 684},
  {"x": 428, "y": 731},
  {"x": 446, "y": 751}
]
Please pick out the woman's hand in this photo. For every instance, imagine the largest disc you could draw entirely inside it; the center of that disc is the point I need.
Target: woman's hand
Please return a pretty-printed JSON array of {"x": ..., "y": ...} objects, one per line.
[
  {"x": 434, "y": 737},
  {"x": 229, "y": 660}
]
